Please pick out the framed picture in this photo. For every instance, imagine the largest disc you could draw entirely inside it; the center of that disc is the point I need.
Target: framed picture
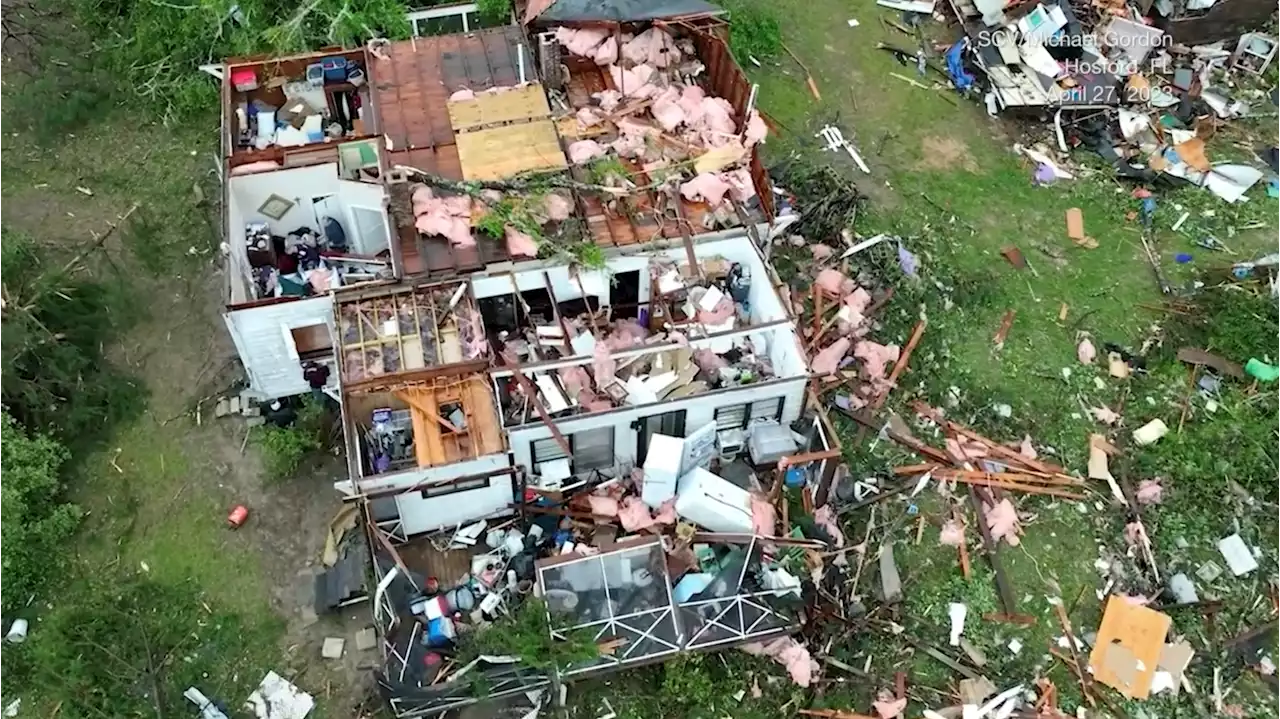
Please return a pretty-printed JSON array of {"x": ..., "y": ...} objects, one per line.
[{"x": 276, "y": 207}]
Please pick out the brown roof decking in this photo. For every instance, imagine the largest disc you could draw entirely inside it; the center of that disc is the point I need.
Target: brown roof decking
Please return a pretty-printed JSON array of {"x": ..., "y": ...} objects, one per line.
[
  {"x": 411, "y": 88},
  {"x": 413, "y": 84}
]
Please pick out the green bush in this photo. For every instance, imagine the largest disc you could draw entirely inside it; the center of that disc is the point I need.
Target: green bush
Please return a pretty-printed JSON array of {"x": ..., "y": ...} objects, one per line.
[
  {"x": 55, "y": 376},
  {"x": 35, "y": 519},
  {"x": 494, "y": 12},
  {"x": 284, "y": 449}
]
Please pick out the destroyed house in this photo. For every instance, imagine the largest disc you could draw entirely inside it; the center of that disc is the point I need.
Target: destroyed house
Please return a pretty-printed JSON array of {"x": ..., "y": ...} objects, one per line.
[{"x": 496, "y": 344}]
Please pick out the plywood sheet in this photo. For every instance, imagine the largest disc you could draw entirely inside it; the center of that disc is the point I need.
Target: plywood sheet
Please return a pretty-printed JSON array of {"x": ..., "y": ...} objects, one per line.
[
  {"x": 1130, "y": 642},
  {"x": 514, "y": 105},
  {"x": 503, "y": 152}
]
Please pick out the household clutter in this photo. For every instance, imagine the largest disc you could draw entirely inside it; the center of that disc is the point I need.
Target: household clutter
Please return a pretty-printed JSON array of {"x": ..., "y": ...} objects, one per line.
[
  {"x": 693, "y": 531},
  {"x": 690, "y": 309},
  {"x": 293, "y": 104}
]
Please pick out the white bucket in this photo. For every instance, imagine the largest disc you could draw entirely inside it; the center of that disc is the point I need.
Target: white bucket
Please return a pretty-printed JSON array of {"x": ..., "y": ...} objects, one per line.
[{"x": 17, "y": 632}]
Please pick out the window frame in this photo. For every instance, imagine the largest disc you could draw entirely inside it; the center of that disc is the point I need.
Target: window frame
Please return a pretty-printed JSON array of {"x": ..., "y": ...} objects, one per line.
[
  {"x": 554, "y": 451},
  {"x": 749, "y": 410}
]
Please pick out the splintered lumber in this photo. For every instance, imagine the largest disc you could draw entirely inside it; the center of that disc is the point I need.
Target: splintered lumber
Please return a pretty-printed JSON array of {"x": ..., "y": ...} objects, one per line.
[
  {"x": 1014, "y": 486},
  {"x": 1065, "y": 621},
  {"x": 901, "y": 364},
  {"x": 831, "y": 714},
  {"x": 1005, "y": 453},
  {"x": 1020, "y": 477}
]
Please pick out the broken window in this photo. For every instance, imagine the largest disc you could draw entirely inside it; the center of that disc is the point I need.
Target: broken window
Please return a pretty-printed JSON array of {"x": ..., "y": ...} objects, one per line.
[{"x": 591, "y": 449}]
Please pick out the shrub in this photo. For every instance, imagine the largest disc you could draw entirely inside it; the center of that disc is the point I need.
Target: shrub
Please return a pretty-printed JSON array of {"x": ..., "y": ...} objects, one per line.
[
  {"x": 494, "y": 12},
  {"x": 35, "y": 521},
  {"x": 284, "y": 449}
]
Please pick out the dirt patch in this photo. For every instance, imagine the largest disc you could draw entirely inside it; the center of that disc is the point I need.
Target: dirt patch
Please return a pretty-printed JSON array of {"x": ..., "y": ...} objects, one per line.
[
  {"x": 945, "y": 153},
  {"x": 190, "y": 360}
]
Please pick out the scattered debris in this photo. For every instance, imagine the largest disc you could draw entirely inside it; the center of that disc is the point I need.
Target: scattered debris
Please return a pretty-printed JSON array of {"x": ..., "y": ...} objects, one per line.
[{"x": 1238, "y": 555}]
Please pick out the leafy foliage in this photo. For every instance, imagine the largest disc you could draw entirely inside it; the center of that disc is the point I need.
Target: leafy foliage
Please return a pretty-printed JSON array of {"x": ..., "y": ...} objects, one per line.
[
  {"x": 35, "y": 520},
  {"x": 527, "y": 634},
  {"x": 56, "y": 325},
  {"x": 153, "y": 47},
  {"x": 284, "y": 449},
  {"x": 127, "y": 646},
  {"x": 494, "y": 12}
]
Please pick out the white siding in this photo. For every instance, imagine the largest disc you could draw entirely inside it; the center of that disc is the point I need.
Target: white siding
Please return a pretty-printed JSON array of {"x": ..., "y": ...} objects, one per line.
[
  {"x": 420, "y": 513},
  {"x": 261, "y": 335},
  {"x": 700, "y": 409}
]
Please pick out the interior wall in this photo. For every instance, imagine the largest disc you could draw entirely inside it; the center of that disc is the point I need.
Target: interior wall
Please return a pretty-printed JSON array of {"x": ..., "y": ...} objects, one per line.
[
  {"x": 700, "y": 409},
  {"x": 302, "y": 185}
]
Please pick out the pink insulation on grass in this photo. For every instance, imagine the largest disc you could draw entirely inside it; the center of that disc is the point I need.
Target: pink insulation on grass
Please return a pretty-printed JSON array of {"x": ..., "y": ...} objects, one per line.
[
  {"x": 828, "y": 360},
  {"x": 756, "y": 129},
  {"x": 584, "y": 151},
  {"x": 1149, "y": 491},
  {"x": 1085, "y": 351},
  {"x": 1002, "y": 520},
  {"x": 890, "y": 708},
  {"x": 875, "y": 358},
  {"x": 789, "y": 653},
  {"x": 952, "y": 533},
  {"x": 462, "y": 95},
  {"x": 831, "y": 281},
  {"x": 519, "y": 244},
  {"x": 821, "y": 252},
  {"x": 707, "y": 187}
]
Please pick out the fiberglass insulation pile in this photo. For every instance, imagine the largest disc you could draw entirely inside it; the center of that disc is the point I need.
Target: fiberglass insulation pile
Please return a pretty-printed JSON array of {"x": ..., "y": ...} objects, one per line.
[{"x": 644, "y": 67}]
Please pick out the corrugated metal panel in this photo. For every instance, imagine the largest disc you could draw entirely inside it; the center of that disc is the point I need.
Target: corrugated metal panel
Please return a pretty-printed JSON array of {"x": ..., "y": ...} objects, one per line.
[{"x": 261, "y": 336}]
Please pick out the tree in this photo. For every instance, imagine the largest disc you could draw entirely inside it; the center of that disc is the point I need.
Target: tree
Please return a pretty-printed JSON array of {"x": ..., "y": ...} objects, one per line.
[
  {"x": 126, "y": 645},
  {"x": 56, "y": 322},
  {"x": 34, "y": 520}
]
